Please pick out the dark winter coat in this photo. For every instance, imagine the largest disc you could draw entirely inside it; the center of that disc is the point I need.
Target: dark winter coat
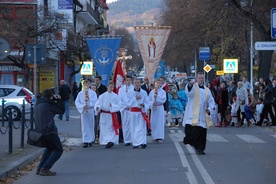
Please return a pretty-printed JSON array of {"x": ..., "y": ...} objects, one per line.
[
  {"x": 44, "y": 113},
  {"x": 268, "y": 96},
  {"x": 64, "y": 92}
]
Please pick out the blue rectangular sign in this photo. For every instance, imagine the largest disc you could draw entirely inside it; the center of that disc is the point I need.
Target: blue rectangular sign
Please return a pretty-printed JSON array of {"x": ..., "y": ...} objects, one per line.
[
  {"x": 273, "y": 23},
  {"x": 65, "y": 4},
  {"x": 160, "y": 70},
  {"x": 204, "y": 53},
  {"x": 40, "y": 50}
]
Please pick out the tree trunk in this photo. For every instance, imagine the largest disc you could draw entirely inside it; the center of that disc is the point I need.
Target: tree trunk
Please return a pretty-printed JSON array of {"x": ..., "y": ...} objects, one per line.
[{"x": 265, "y": 64}]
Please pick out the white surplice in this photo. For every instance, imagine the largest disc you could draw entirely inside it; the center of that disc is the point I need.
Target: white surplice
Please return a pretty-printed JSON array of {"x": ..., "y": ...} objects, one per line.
[
  {"x": 87, "y": 117},
  {"x": 157, "y": 116},
  {"x": 138, "y": 124},
  {"x": 204, "y": 104},
  {"x": 108, "y": 102},
  {"x": 125, "y": 114}
]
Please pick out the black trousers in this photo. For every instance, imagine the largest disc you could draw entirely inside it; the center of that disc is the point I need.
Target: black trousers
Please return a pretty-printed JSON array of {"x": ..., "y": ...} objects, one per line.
[
  {"x": 221, "y": 109},
  {"x": 239, "y": 117},
  {"x": 267, "y": 109},
  {"x": 195, "y": 136}
]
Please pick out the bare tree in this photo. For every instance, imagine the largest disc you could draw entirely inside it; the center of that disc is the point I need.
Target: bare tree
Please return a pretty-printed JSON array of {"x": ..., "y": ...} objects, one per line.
[
  {"x": 27, "y": 25},
  {"x": 127, "y": 42},
  {"x": 223, "y": 25},
  {"x": 258, "y": 12}
]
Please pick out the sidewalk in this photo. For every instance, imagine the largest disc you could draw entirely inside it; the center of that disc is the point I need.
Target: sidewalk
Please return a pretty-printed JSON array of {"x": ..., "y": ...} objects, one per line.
[{"x": 20, "y": 157}]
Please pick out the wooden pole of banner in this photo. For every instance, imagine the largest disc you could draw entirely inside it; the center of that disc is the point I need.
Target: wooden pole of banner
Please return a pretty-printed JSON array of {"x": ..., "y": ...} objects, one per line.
[{"x": 114, "y": 68}]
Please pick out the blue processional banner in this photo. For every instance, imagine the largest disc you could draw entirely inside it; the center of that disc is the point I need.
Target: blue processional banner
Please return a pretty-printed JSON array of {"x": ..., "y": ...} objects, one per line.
[
  {"x": 160, "y": 70},
  {"x": 103, "y": 51}
]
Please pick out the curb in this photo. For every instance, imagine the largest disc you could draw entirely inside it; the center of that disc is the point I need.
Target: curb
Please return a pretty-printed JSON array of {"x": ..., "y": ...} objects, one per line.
[
  {"x": 23, "y": 161},
  {"x": 19, "y": 164}
]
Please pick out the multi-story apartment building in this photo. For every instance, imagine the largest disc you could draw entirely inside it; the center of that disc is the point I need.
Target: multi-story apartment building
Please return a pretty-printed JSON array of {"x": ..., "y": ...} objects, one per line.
[{"x": 79, "y": 17}]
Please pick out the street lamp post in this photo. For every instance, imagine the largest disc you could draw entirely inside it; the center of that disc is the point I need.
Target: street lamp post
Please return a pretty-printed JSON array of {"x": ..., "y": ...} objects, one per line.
[{"x": 251, "y": 50}]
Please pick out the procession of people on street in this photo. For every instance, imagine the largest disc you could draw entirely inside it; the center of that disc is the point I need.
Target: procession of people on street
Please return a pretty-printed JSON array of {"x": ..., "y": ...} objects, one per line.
[
  {"x": 141, "y": 110},
  {"x": 144, "y": 109}
]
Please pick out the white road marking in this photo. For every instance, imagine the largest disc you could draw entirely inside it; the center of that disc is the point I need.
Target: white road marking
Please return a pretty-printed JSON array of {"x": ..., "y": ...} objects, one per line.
[
  {"x": 274, "y": 135},
  {"x": 73, "y": 142},
  {"x": 185, "y": 163},
  {"x": 250, "y": 138},
  {"x": 180, "y": 131},
  {"x": 172, "y": 131},
  {"x": 216, "y": 138},
  {"x": 75, "y": 117},
  {"x": 177, "y": 137},
  {"x": 207, "y": 178}
]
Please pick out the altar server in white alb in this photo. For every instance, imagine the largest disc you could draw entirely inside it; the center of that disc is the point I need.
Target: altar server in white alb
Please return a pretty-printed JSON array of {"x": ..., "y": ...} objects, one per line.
[
  {"x": 125, "y": 113},
  {"x": 137, "y": 100},
  {"x": 196, "y": 118},
  {"x": 108, "y": 103},
  {"x": 157, "y": 98},
  {"x": 85, "y": 102}
]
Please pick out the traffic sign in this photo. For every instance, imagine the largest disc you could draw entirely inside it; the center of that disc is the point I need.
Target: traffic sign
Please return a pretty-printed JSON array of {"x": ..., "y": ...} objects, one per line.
[
  {"x": 265, "y": 46},
  {"x": 219, "y": 72},
  {"x": 273, "y": 23},
  {"x": 4, "y": 48},
  {"x": 192, "y": 69},
  {"x": 207, "y": 68},
  {"x": 213, "y": 66},
  {"x": 39, "y": 49},
  {"x": 230, "y": 65},
  {"x": 87, "y": 68},
  {"x": 204, "y": 53}
]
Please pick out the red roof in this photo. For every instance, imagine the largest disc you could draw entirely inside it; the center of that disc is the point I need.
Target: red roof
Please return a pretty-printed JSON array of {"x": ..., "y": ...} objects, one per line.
[{"x": 103, "y": 4}]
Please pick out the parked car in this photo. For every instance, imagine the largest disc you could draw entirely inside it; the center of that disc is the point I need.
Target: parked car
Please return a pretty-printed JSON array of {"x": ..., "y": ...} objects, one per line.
[
  {"x": 13, "y": 100},
  {"x": 187, "y": 80}
]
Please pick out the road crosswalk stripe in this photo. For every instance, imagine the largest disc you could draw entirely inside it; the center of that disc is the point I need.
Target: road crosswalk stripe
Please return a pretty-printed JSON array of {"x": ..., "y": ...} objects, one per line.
[
  {"x": 250, "y": 138},
  {"x": 216, "y": 138},
  {"x": 178, "y": 135}
]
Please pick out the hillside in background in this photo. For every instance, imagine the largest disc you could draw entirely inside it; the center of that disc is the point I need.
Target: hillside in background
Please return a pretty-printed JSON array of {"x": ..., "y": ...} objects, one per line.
[{"x": 128, "y": 13}]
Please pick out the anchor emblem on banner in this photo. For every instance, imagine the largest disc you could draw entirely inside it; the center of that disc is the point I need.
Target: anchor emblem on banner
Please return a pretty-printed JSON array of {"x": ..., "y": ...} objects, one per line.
[{"x": 103, "y": 55}]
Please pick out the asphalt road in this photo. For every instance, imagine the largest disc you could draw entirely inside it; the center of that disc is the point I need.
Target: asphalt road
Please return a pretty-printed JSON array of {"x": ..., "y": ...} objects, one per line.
[{"x": 233, "y": 155}]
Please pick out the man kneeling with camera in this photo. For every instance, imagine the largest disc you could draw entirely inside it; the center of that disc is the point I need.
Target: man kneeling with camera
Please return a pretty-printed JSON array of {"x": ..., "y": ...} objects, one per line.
[{"x": 44, "y": 112}]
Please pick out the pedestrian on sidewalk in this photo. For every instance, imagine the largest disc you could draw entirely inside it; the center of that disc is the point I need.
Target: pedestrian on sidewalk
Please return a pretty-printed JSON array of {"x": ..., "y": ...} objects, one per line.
[
  {"x": 64, "y": 93},
  {"x": 200, "y": 101},
  {"x": 242, "y": 100},
  {"x": 44, "y": 112},
  {"x": 108, "y": 103},
  {"x": 85, "y": 102},
  {"x": 268, "y": 103}
]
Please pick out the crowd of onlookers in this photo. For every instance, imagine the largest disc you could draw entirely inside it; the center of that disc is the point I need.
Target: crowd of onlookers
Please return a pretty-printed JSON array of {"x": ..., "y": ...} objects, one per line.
[{"x": 238, "y": 103}]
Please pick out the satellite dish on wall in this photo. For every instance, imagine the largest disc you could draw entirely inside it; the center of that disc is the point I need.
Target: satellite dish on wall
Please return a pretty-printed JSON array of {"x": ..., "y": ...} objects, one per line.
[{"x": 4, "y": 48}]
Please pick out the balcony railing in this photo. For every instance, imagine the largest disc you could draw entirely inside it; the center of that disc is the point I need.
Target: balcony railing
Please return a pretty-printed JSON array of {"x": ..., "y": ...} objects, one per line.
[{"x": 88, "y": 15}]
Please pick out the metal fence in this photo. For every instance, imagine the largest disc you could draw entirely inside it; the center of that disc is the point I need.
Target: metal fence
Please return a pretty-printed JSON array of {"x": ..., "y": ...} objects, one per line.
[{"x": 8, "y": 124}]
